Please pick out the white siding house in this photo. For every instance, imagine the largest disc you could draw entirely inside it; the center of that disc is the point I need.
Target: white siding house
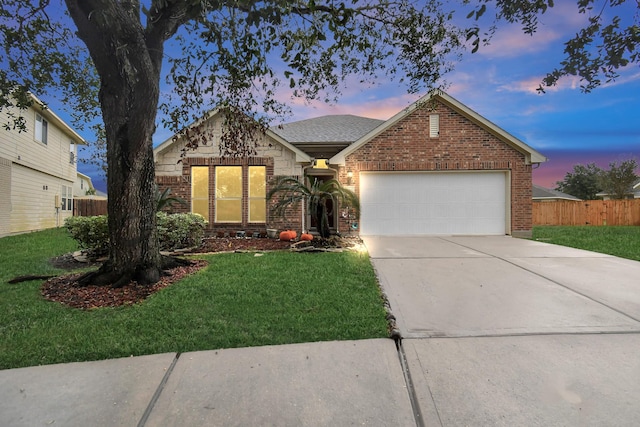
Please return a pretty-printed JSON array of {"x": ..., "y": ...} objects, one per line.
[{"x": 37, "y": 171}]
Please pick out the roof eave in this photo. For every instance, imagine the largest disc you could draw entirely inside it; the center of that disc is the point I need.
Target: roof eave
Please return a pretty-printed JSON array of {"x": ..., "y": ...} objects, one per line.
[
  {"x": 53, "y": 117},
  {"x": 301, "y": 156}
]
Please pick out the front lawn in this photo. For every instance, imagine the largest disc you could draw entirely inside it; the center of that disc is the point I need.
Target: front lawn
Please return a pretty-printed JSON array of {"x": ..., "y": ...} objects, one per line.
[
  {"x": 621, "y": 241},
  {"x": 239, "y": 300}
]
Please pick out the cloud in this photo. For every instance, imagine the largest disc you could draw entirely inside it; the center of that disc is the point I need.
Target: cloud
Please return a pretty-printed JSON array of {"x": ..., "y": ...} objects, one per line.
[
  {"x": 512, "y": 42},
  {"x": 628, "y": 74},
  {"x": 373, "y": 108},
  {"x": 530, "y": 84},
  {"x": 555, "y": 25}
]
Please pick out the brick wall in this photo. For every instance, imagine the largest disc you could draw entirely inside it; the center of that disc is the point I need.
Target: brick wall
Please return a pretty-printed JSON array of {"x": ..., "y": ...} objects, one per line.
[{"x": 461, "y": 145}]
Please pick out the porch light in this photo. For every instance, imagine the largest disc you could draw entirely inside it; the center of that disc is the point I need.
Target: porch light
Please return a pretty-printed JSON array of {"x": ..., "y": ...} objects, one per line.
[{"x": 349, "y": 177}]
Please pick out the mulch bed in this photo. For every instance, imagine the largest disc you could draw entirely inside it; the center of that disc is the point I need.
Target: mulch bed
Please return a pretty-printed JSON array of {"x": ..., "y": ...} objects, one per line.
[
  {"x": 63, "y": 289},
  {"x": 228, "y": 244}
]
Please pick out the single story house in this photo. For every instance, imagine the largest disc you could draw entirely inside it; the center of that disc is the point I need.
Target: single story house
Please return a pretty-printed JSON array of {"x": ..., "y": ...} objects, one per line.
[
  {"x": 542, "y": 194},
  {"x": 436, "y": 167},
  {"x": 634, "y": 192}
]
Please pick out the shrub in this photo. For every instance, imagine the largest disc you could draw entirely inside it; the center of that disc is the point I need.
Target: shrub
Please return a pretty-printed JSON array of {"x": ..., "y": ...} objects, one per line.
[
  {"x": 180, "y": 230},
  {"x": 174, "y": 231},
  {"x": 91, "y": 233}
]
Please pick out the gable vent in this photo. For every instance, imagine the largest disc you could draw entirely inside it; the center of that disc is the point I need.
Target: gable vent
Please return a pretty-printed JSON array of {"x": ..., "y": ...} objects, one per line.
[{"x": 434, "y": 125}]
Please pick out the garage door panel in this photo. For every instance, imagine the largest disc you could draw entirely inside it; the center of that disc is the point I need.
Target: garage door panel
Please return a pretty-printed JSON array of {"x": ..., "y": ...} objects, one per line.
[{"x": 433, "y": 203}]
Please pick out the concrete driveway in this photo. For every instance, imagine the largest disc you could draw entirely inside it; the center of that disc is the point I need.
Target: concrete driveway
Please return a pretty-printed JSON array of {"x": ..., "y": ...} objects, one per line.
[{"x": 504, "y": 331}]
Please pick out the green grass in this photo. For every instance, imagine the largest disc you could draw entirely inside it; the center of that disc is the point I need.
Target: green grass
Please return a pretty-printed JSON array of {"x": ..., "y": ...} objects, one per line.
[
  {"x": 621, "y": 241},
  {"x": 239, "y": 300}
]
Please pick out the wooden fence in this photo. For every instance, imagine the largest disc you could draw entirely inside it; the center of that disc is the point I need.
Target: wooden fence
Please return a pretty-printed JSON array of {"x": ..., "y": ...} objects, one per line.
[
  {"x": 89, "y": 207},
  {"x": 587, "y": 212}
]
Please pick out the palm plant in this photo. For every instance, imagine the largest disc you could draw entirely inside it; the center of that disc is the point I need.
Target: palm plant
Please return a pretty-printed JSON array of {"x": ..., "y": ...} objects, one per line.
[
  {"x": 316, "y": 195},
  {"x": 164, "y": 199}
]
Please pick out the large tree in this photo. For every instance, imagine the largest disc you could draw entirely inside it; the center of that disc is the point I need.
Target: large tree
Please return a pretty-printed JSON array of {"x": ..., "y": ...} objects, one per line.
[
  {"x": 235, "y": 54},
  {"x": 618, "y": 181},
  {"x": 583, "y": 182}
]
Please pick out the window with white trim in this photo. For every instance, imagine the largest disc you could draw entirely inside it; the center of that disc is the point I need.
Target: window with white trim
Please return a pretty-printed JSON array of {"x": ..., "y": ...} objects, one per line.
[
  {"x": 200, "y": 190},
  {"x": 41, "y": 129},
  {"x": 228, "y": 194},
  {"x": 67, "y": 198},
  {"x": 72, "y": 153},
  {"x": 257, "y": 194},
  {"x": 239, "y": 194}
]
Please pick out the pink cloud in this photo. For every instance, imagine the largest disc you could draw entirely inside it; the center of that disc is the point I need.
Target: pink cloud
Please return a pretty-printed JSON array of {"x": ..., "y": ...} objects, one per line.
[{"x": 557, "y": 23}]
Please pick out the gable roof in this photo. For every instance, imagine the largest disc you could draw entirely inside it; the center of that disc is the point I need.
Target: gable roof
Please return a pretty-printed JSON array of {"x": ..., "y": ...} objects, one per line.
[
  {"x": 301, "y": 156},
  {"x": 541, "y": 193},
  {"x": 531, "y": 155}
]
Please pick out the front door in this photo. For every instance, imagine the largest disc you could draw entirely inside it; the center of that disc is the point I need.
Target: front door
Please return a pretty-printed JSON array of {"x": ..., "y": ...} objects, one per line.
[{"x": 332, "y": 218}]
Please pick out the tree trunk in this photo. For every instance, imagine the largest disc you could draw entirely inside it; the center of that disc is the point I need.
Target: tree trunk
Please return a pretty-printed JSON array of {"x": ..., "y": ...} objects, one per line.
[
  {"x": 323, "y": 221},
  {"x": 129, "y": 69}
]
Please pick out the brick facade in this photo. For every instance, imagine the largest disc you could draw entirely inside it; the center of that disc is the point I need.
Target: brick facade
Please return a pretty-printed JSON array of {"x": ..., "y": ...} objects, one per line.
[{"x": 462, "y": 145}]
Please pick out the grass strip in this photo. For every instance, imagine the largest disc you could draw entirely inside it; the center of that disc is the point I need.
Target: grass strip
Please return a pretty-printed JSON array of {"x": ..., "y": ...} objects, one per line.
[{"x": 621, "y": 241}]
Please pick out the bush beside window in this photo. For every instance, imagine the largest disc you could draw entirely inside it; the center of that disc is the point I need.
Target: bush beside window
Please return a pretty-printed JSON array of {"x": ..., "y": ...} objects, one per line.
[{"x": 174, "y": 231}]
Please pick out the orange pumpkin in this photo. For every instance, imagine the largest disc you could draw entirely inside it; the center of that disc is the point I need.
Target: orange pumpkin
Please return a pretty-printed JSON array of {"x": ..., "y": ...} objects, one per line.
[
  {"x": 306, "y": 236},
  {"x": 288, "y": 235}
]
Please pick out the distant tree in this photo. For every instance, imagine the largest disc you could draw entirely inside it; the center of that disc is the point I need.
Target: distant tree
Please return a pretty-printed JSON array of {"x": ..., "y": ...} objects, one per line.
[
  {"x": 583, "y": 182},
  {"x": 619, "y": 179}
]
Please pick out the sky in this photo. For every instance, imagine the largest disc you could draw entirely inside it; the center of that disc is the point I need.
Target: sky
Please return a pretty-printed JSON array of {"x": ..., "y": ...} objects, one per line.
[{"x": 499, "y": 82}]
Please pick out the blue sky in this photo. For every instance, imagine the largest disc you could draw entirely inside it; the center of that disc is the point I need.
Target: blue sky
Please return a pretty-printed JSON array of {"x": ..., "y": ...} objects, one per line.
[{"x": 499, "y": 82}]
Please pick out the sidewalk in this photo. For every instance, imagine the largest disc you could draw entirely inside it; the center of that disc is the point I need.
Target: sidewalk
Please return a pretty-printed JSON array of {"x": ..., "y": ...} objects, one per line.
[{"x": 311, "y": 384}]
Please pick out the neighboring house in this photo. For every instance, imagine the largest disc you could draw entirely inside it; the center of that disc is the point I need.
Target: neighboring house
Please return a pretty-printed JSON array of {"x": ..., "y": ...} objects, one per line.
[
  {"x": 37, "y": 170},
  {"x": 541, "y": 194},
  {"x": 437, "y": 167},
  {"x": 83, "y": 188},
  {"x": 634, "y": 192}
]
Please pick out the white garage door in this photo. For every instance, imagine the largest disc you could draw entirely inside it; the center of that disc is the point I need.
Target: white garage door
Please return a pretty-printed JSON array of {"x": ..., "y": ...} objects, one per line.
[{"x": 433, "y": 203}]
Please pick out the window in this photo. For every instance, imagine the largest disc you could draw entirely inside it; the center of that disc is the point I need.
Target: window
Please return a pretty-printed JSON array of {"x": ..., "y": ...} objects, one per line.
[
  {"x": 240, "y": 193},
  {"x": 434, "y": 125},
  {"x": 67, "y": 198},
  {"x": 72, "y": 153},
  {"x": 41, "y": 129},
  {"x": 200, "y": 191},
  {"x": 229, "y": 194},
  {"x": 257, "y": 194}
]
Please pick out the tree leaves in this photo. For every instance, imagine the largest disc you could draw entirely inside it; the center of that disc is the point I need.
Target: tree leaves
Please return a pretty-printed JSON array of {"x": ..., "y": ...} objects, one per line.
[
  {"x": 595, "y": 54},
  {"x": 618, "y": 181}
]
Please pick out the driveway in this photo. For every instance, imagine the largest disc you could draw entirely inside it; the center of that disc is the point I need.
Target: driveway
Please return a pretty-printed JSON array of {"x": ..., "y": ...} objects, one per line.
[{"x": 505, "y": 331}]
